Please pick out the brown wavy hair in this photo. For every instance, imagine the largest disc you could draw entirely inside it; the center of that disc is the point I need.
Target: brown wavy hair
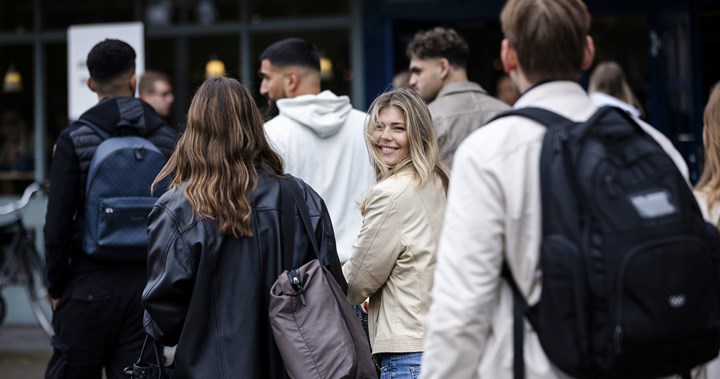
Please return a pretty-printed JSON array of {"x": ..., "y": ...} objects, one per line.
[{"x": 217, "y": 154}]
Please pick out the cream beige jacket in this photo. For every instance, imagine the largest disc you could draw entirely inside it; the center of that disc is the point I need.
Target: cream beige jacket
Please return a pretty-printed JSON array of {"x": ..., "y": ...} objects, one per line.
[
  {"x": 494, "y": 214},
  {"x": 393, "y": 261},
  {"x": 459, "y": 109}
]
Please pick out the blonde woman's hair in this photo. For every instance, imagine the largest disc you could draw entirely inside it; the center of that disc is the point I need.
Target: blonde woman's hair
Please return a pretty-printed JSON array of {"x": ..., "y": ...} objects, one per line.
[
  {"x": 424, "y": 157},
  {"x": 608, "y": 77},
  {"x": 217, "y": 154},
  {"x": 709, "y": 182}
]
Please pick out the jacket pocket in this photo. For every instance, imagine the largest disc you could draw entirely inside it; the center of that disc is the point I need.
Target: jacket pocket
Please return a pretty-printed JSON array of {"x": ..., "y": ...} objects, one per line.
[{"x": 91, "y": 295}]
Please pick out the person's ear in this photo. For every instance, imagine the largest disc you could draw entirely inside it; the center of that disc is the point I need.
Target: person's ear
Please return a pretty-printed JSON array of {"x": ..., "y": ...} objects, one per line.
[
  {"x": 444, "y": 67},
  {"x": 589, "y": 53},
  {"x": 291, "y": 80},
  {"x": 90, "y": 84},
  {"x": 508, "y": 56}
]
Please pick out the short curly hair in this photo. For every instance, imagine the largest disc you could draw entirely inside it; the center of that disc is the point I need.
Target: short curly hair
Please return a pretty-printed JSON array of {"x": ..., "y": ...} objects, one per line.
[
  {"x": 439, "y": 43},
  {"x": 110, "y": 59}
]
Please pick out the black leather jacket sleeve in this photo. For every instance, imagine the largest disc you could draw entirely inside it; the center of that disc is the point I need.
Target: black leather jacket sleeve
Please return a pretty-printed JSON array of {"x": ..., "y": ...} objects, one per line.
[{"x": 171, "y": 276}]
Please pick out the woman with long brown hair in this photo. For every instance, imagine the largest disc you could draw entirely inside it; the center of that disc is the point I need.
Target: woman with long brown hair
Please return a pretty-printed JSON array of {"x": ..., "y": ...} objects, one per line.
[{"x": 215, "y": 240}]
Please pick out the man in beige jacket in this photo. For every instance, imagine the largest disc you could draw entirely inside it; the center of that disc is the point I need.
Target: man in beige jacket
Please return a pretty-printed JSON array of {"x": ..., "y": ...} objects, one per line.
[
  {"x": 494, "y": 209},
  {"x": 438, "y": 59}
]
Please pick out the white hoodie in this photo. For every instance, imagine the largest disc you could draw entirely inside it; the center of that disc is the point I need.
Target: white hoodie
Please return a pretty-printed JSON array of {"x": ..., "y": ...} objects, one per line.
[{"x": 321, "y": 139}]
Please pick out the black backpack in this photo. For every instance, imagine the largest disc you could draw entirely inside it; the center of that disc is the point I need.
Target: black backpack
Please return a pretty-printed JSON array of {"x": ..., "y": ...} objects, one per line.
[{"x": 630, "y": 284}]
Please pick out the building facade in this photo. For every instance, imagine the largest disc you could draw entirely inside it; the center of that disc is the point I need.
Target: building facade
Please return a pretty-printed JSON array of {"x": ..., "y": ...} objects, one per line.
[{"x": 664, "y": 46}]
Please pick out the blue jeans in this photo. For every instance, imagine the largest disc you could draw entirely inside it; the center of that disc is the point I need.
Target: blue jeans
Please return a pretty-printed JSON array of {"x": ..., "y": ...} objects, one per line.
[{"x": 400, "y": 365}]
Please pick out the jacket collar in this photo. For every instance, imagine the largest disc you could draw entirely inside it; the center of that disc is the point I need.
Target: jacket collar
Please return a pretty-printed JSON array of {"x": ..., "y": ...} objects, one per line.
[
  {"x": 124, "y": 112},
  {"x": 459, "y": 87}
]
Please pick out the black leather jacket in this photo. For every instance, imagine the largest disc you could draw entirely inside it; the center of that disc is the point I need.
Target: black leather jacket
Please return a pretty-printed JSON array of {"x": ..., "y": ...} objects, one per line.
[{"x": 210, "y": 293}]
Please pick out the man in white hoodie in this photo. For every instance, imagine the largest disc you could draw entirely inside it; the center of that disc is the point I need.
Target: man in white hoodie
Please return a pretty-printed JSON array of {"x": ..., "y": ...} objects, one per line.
[{"x": 318, "y": 134}]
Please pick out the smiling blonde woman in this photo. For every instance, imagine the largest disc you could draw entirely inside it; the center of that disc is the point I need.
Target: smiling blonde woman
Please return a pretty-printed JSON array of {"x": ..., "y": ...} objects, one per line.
[{"x": 394, "y": 256}]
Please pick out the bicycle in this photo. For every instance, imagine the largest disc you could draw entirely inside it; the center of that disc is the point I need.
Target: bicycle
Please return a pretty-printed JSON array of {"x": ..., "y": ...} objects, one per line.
[{"x": 20, "y": 263}]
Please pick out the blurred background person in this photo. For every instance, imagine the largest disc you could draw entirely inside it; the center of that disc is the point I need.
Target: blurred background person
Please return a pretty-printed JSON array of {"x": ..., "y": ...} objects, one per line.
[
  {"x": 394, "y": 256},
  {"x": 156, "y": 90},
  {"x": 401, "y": 80},
  {"x": 16, "y": 148},
  {"x": 506, "y": 90},
  {"x": 609, "y": 87},
  {"x": 438, "y": 60}
]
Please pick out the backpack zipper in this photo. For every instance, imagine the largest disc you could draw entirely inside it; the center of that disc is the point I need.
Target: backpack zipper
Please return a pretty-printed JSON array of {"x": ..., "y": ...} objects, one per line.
[
  {"x": 139, "y": 152},
  {"x": 618, "y": 330},
  {"x": 560, "y": 139},
  {"x": 610, "y": 187}
]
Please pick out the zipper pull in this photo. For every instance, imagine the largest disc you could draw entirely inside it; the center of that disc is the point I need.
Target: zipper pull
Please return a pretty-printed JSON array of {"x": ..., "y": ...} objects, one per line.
[
  {"x": 297, "y": 284},
  {"x": 617, "y": 339},
  {"x": 610, "y": 187},
  {"x": 560, "y": 139},
  {"x": 139, "y": 152}
]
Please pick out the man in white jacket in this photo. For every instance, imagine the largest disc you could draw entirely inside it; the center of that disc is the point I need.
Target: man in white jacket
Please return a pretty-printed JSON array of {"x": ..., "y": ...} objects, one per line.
[
  {"x": 318, "y": 134},
  {"x": 494, "y": 206}
]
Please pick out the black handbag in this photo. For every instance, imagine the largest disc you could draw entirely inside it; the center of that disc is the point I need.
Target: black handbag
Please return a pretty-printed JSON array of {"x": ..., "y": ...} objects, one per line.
[{"x": 143, "y": 369}]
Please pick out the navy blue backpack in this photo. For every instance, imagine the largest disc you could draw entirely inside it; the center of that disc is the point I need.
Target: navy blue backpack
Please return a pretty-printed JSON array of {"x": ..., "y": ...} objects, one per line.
[{"x": 118, "y": 198}]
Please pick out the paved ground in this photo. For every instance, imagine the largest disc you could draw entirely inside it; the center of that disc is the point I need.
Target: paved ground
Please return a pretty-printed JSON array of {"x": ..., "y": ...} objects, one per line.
[{"x": 24, "y": 352}]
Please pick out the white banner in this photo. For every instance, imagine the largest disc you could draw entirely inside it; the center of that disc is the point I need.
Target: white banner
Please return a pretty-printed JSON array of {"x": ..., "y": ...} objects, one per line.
[{"x": 81, "y": 39}]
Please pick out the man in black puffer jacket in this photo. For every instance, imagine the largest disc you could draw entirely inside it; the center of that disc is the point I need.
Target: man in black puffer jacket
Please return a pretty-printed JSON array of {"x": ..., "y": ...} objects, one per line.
[{"x": 97, "y": 313}]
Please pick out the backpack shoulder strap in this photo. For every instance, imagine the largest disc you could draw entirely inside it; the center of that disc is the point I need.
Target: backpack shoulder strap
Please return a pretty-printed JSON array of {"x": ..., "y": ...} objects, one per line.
[
  {"x": 292, "y": 199},
  {"x": 542, "y": 116},
  {"x": 551, "y": 119},
  {"x": 304, "y": 214},
  {"x": 104, "y": 134},
  {"x": 288, "y": 224},
  {"x": 165, "y": 138},
  {"x": 520, "y": 307}
]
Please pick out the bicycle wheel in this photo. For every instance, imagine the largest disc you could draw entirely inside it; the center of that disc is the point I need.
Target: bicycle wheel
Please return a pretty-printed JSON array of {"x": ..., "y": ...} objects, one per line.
[{"x": 36, "y": 286}]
